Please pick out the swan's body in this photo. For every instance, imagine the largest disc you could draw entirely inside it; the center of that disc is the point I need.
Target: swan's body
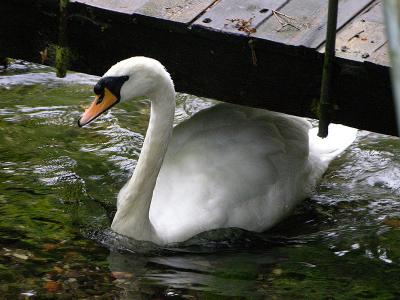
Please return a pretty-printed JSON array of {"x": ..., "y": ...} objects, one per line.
[{"x": 227, "y": 166}]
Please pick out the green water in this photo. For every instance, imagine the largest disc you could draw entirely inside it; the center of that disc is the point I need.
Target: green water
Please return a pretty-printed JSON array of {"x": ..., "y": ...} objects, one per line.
[{"x": 58, "y": 185}]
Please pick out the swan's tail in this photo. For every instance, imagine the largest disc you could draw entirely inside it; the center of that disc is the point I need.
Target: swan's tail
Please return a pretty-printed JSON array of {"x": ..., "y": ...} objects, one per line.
[{"x": 340, "y": 137}]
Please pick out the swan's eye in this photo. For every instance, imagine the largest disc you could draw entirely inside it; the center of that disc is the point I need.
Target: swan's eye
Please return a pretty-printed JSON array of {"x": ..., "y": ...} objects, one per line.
[
  {"x": 112, "y": 83},
  {"x": 100, "y": 98}
]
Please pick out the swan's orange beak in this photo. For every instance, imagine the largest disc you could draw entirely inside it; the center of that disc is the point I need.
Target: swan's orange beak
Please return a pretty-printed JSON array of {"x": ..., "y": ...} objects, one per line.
[{"x": 100, "y": 104}]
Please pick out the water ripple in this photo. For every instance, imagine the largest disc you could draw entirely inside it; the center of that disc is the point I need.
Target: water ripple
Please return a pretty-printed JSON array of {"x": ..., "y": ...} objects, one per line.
[{"x": 48, "y": 78}]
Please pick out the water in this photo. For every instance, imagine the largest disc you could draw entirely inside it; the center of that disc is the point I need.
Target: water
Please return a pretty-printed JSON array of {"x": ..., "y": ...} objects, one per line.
[{"x": 58, "y": 185}]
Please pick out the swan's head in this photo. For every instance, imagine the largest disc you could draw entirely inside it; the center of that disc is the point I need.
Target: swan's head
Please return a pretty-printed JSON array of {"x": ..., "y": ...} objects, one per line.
[{"x": 130, "y": 78}]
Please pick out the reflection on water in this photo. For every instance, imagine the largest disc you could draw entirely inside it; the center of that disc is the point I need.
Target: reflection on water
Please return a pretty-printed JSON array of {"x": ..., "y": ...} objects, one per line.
[{"x": 58, "y": 186}]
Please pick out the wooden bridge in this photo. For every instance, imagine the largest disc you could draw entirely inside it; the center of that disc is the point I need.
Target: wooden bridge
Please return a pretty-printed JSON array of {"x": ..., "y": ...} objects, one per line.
[{"x": 261, "y": 53}]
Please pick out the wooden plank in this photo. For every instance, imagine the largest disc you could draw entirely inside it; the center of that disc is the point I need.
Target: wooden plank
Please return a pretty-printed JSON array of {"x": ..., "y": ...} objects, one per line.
[
  {"x": 348, "y": 9},
  {"x": 181, "y": 11},
  {"x": 122, "y": 6},
  {"x": 364, "y": 39},
  {"x": 285, "y": 78},
  {"x": 380, "y": 56},
  {"x": 238, "y": 16},
  {"x": 309, "y": 22}
]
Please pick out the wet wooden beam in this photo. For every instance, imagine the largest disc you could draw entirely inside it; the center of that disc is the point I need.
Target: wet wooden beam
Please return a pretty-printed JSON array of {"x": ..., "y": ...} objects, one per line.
[{"x": 237, "y": 67}]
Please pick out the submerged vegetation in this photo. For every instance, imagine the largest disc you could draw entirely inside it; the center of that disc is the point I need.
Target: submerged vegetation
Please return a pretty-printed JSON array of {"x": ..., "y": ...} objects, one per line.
[{"x": 58, "y": 181}]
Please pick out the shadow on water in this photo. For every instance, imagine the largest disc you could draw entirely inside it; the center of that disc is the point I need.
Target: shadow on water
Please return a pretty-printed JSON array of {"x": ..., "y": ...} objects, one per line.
[{"x": 58, "y": 186}]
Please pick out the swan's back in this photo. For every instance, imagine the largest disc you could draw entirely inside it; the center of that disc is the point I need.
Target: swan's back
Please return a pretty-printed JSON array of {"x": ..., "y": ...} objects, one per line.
[{"x": 231, "y": 166}]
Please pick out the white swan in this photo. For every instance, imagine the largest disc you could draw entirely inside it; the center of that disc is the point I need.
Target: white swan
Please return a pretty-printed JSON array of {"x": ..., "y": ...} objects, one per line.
[{"x": 227, "y": 166}]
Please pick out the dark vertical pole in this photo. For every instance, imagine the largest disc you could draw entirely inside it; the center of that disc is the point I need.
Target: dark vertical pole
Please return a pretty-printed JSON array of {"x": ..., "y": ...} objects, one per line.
[
  {"x": 325, "y": 102},
  {"x": 62, "y": 51}
]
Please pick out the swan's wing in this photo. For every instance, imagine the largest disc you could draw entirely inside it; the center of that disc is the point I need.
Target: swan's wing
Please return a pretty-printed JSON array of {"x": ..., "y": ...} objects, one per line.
[
  {"x": 223, "y": 167},
  {"x": 281, "y": 126}
]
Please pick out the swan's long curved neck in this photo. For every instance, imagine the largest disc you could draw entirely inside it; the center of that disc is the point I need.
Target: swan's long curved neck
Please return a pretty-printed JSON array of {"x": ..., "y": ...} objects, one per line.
[{"x": 132, "y": 216}]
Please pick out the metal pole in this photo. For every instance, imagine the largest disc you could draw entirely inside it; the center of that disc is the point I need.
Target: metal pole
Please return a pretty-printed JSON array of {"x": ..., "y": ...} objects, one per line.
[
  {"x": 325, "y": 103},
  {"x": 392, "y": 18}
]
